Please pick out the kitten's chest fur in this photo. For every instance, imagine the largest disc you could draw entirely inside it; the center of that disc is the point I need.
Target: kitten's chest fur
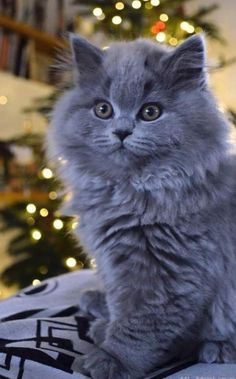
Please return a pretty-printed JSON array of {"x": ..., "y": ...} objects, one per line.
[{"x": 140, "y": 245}]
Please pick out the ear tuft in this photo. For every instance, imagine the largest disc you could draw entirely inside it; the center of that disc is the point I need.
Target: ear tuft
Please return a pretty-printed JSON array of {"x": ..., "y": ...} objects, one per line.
[
  {"x": 187, "y": 62},
  {"x": 87, "y": 57}
]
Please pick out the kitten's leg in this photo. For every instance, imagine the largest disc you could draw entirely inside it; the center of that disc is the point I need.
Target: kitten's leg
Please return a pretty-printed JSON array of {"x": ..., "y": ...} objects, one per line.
[
  {"x": 132, "y": 348},
  {"x": 93, "y": 303}
]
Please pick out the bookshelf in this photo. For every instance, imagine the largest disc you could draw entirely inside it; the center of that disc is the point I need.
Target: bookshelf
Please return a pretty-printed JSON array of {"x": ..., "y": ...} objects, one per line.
[{"x": 44, "y": 42}]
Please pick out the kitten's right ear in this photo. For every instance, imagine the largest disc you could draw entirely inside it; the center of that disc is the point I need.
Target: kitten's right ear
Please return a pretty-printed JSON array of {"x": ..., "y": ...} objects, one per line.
[{"x": 87, "y": 57}]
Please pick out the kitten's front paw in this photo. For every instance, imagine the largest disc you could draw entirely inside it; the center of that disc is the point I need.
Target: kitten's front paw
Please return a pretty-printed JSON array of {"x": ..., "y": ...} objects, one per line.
[
  {"x": 97, "y": 331},
  {"x": 217, "y": 352},
  {"x": 101, "y": 365},
  {"x": 93, "y": 303}
]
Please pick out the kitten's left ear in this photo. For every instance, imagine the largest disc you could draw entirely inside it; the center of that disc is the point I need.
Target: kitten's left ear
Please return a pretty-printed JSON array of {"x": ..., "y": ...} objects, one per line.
[
  {"x": 87, "y": 57},
  {"x": 186, "y": 64}
]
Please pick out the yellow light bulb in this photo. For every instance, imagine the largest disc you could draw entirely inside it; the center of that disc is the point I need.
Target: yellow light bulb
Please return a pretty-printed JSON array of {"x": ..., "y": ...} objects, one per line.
[
  {"x": 71, "y": 262},
  {"x": 164, "y": 17},
  {"x": 148, "y": 6},
  {"x": 3, "y": 100},
  {"x": 184, "y": 25},
  {"x": 190, "y": 29},
  {"x": 173, "y": 41},
  {"x": 198, "y": 29},
  {"x": 58, "y": 224},
  {"x": 93, "y": 263},
  {"x": 52, "y": 195},
  {"x": 116, "y": 20},
  {"x": 31, "y": 220},
  {"x": 31, "y": 208},
  {"x": 155, "y": 3},
  {"x": 97, "y": 12},
  {"x": 35, "y": 282},
  {"x": 119, "y": 6},
  {"x": 74, "y": 225},
  {"x": 36, "y": 234},
  {"x": 101, "y": 17},
  {"x": 43, "y": 212},
  {"x": 43, "y": 270},
  {"x": 136, "y": 4},
  {"x": 47, "y": 173},
  {"x": 160, "y": 37}
]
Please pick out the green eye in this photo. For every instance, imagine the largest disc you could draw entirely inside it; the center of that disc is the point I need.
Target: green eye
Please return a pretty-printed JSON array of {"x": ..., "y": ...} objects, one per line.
[
  {"x": 150, "y": 112},
  {"x": 103, "y": 110}
]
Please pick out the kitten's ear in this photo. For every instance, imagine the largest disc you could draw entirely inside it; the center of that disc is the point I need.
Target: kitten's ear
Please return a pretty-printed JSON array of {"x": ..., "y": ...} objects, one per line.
[
  {"x": 87, "y": 57},
  {"x": 186, "y": 64}
]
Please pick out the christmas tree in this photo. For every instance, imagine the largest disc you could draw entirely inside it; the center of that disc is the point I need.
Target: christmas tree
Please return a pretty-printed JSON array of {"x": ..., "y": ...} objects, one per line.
[
  {"x": 165, "y": 20},
  {"x": 44, "y": 245}
]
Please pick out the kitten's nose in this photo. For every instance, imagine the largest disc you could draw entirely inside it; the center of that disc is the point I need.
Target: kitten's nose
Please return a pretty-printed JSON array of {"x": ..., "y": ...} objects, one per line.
[{"x": 121, "y": 133}]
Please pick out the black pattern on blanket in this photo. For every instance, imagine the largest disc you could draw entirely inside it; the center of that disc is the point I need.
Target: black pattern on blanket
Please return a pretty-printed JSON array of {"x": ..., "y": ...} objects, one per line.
[{"x": 42, "y": 333}]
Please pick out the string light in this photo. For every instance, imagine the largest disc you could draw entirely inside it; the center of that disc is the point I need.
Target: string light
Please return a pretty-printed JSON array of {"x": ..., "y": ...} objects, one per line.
[
  {"x": 35, "y": 282},
  {"x": 160, "y": 37},
  {"x": 148, "y": 6},
  {"x": 136, "y": 4},
  {"x": 43, "y": 212},
  {"x": 52, "y": 195},
  {"x": 3, "y": 100},
  {"x": 43, "y": 270},
  {"x": 198, "y": 29},
  {"x": 155, "y": 3},
  {"x": 47, "y": 173},
  {"x": 74, "y": 225},
  {"x": 58, "y": 224},
  {"x": 71, "y": 262},
  {"x": 31, "y": 208},
  {"x": 93, "y": 263},
  {"x": 187, "y": 27},
  {"x": 36, "y": 234},
  {"x": 116, "y": 20},
  {"x": 31, "y": 221},
  {"x": 100, "y": 18},
  {"x": 173, "y": 41},
  {"x": 164, "y": 17},
  {"x": 119, "y": 6},
  {"x": 97, "y": 12},
  {"x": 158, "y": 27}
]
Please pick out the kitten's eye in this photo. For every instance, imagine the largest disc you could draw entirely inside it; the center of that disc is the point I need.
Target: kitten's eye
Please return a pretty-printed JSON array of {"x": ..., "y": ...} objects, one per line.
[
  {"x": 150, "y": 112},
  {"x": 103, "y": 110}
]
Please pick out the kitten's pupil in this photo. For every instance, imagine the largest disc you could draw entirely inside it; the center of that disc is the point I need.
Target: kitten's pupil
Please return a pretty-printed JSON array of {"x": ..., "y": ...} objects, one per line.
[
  {"x": 150, "y": 111},
  {"x": 103, "y": 110}
]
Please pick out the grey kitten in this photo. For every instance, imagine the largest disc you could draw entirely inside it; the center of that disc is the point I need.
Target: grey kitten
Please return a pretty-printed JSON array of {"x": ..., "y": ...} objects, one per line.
[{"x": 154, "y": 186}]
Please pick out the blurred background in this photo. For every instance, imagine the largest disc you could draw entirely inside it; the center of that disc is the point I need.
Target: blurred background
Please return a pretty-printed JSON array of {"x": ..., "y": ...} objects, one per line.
[{"x": 36, "y": 240}]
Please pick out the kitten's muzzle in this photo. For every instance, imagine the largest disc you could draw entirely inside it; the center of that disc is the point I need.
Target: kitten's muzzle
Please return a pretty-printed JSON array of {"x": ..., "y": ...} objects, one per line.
[{"x": 122, "y": 134}]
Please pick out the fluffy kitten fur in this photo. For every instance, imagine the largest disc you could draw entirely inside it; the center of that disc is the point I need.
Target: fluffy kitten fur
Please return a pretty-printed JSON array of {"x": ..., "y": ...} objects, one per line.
[{"x": 157, "y": 211}]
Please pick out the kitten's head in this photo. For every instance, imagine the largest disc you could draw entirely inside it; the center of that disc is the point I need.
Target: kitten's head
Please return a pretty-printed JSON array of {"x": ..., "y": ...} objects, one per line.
[{"x": 138, "y": 105}]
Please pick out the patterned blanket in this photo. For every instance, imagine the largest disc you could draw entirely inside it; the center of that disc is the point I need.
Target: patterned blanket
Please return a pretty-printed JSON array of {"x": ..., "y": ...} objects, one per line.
[{"x": 43, "y": 334}]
